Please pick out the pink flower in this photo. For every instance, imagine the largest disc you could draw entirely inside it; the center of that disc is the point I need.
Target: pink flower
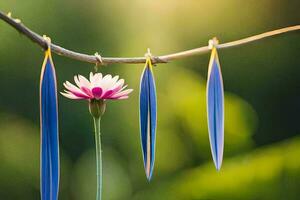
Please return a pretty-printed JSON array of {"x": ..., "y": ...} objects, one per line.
[{"x": 98, "y": 87}]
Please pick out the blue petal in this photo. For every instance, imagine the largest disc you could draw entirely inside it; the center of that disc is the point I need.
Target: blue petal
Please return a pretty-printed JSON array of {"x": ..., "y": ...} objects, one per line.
[
  {"x": 215, "y": 109},
  {"x": 148, "y": 115},
  {"x": 49, "y": 131}
]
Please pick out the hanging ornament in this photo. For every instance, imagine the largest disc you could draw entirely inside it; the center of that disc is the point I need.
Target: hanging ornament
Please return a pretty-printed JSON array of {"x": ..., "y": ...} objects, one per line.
[
  {"x": 215, "y": 105},
  {"x": 148, "y": 116},
  {"x": 49, "y": 180}
]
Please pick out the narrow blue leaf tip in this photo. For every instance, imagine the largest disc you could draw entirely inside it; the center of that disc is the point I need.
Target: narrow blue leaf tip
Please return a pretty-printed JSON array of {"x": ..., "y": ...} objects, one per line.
[
  {"x": 215, "y": 109},
  {"x": 148, "y": 117},
  {"x": 49, "y": 132}
]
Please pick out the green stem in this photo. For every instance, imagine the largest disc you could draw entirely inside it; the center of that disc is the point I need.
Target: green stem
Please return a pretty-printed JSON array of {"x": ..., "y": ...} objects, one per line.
[{"x": 98, "y": 157}]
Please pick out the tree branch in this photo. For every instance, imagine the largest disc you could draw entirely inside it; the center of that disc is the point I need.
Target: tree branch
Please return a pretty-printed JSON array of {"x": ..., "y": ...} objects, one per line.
[{"x": 134, "y": 60}]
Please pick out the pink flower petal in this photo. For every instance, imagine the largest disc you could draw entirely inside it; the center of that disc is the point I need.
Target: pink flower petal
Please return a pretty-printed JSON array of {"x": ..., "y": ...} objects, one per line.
[
  {"x": 80, "y": 95},
  {"x": 72, "y": 88},
  {"x": 81, "y": 81},
  {"x": 95, "y": 78},
  {"x": 91, "y": 77},
  {"x": 119, "y": 83},
  {"x": 122, "y": 93},
  {"x": 114, "y": 81},
  {"x": 112, "y": 92},
  {"x": 107, "y": 94},
  {"x": 84, "y": 82},
  {"x": 107, "y": 83},
  {"x": 118, "y": 89},
  {"x": 87, "y": 91},
  {"x": 97, "y": 92},
  {"x": 70, "y": 96}
]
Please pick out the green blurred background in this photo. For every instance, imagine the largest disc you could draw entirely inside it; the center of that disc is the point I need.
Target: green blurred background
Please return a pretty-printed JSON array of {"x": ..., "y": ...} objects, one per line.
[{"x": 262, "y": 94}]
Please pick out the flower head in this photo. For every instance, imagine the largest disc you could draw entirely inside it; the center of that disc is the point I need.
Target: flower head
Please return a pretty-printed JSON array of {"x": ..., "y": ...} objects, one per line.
[{"x": 98, "y": 87}]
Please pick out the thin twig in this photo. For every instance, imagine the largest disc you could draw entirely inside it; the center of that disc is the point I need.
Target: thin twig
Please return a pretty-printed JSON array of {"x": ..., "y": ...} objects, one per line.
[{"x": 134, "y": 60}]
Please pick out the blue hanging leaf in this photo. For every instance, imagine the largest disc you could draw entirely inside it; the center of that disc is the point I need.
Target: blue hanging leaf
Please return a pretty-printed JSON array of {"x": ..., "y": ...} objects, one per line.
[
  {"x": 215, "y": 109},
  {"x": 49, "y": 131},
  {"x": 148, "y": 115}
]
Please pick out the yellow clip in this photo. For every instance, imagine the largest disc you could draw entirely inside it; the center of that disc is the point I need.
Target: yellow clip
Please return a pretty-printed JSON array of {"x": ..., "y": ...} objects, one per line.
[
  {"x": 48, "y": 41},
  {"x": 148, "y": 56},
  {"x": 213, "y": 43}
]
